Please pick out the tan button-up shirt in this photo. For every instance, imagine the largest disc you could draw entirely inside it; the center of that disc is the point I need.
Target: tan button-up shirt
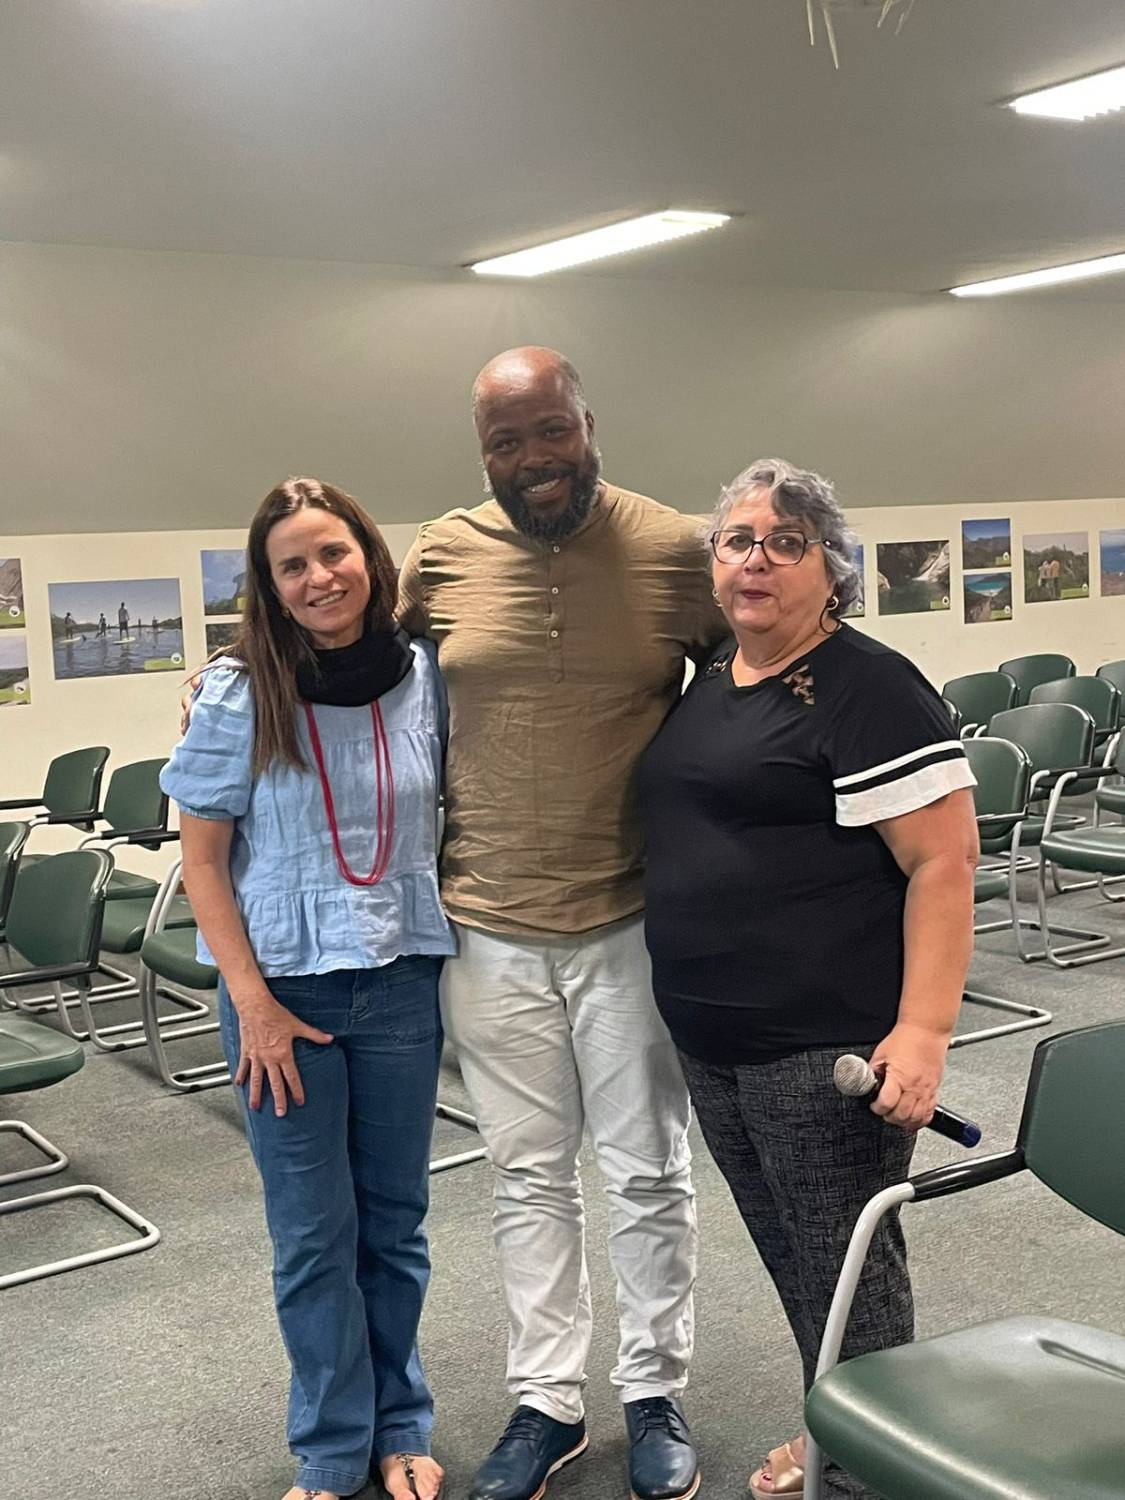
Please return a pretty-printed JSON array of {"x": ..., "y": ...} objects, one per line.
[{"x": 561, "y": 660}]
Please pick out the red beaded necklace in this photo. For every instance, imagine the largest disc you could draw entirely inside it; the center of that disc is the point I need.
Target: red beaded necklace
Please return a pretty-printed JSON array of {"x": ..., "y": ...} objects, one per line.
[{"x": 384, "y": 799}]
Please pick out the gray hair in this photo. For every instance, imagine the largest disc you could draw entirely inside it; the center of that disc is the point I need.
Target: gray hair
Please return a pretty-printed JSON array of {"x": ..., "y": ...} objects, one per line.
[{"x": 808, "y": 498}]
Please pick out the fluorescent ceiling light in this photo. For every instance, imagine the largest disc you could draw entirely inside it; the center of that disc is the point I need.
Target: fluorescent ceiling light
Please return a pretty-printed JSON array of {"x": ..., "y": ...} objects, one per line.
[
  {"x": 1079, "y": 270},
  {"x": 597, "y": 244},
  {"x": 1081, "y": 99}
]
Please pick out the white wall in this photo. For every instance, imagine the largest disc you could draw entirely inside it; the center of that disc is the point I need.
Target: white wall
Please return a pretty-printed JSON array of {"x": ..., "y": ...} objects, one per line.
[
  {"x": 148, "y": 391},
  {"x": 137, "y": 716}
]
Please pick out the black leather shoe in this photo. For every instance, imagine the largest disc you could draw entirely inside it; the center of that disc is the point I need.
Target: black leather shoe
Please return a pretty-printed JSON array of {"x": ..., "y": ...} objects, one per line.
[
  {"x": 531, "y": 1449},
  {"x": 663, "y": 1464}
]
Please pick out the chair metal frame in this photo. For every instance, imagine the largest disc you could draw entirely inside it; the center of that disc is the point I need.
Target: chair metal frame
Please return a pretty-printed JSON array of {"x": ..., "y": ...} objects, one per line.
[
  {"x": 57, "y": 1160},
  {"x": 1066, "y": 957},
  {"x": 212, "y": 1075},
  {"x": 939, "y": 1182},
  {"x": 1040, "y": 787},
  {"x": 1031, "y": 1016}
]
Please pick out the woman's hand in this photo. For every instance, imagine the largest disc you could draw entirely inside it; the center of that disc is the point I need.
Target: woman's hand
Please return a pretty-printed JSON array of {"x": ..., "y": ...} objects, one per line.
[
  {"x": 187, "y": 699},
  {"x": 910, "y": 1061},
  {"x": 268, "y": 1030}
]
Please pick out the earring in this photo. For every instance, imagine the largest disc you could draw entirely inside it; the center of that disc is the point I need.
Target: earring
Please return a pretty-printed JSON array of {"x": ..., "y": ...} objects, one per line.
[
  {"x": 715, "y": 595},
  {"x": 834, "y": 602}
]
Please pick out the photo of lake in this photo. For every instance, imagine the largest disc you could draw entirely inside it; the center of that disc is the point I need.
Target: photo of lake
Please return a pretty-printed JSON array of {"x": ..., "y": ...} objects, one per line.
[
  {"x": 116, "y": 627},
  {"x": 986, "y": 544},
  {"x": 988, "y": 597},
  {"x": 15, "y": 684},
  {"x": 913, "y": 577},
  {"x": 1056, "y": 565},
  {"x": 1113, "y": 562}
]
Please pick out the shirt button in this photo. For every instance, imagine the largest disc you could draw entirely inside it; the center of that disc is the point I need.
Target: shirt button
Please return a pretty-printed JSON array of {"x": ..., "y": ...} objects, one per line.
[
  {"x": 554, "y": 591},
  {"x": 554, "y": 634}
]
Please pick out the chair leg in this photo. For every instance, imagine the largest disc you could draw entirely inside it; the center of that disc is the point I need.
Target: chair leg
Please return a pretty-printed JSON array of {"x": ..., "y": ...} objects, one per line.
[
  {"x": 57, "y": 1161},
  {"x": 1080, "y": 952},
  {"x": 1032, "y": 1016},
  {"x": 461, "y": 1158},
  {"x": 184, "y": 1080},
  {"x": 148, "y": 1233},
  {"x": 126, "y": 1034},
  {"x": 1087, "y": 940}
]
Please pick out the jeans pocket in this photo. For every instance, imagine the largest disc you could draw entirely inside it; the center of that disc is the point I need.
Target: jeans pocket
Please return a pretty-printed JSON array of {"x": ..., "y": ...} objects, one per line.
[{"x": 407, "y": 1002}]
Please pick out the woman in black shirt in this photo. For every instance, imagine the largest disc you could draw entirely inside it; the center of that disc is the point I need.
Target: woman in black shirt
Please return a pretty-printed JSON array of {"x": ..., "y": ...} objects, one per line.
[{"x": 811, "y": 845}]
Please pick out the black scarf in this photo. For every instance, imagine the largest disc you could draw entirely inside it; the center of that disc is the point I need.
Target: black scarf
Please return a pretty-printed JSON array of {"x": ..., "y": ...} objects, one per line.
[{"x": 357, "y": 674}]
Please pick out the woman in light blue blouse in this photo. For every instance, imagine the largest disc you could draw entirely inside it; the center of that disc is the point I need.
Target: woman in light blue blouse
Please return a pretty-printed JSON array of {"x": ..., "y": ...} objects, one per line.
[{"x": 307, "y": 784}]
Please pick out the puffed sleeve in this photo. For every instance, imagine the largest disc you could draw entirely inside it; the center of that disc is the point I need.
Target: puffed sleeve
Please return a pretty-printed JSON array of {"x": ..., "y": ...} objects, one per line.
[
  {"x": 891, "y": 746},
  {"x": 209, "y": 774}
]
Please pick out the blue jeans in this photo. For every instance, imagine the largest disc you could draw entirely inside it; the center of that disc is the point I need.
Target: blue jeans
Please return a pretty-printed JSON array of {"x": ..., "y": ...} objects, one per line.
[{"x": 346, "y": 1182}]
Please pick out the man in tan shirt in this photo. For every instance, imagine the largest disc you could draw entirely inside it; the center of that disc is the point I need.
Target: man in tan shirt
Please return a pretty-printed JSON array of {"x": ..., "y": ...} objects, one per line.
[{"x": 564, "y": 610}]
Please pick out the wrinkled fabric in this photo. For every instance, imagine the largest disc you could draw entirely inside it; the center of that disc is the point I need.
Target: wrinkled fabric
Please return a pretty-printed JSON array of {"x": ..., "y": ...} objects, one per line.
[{"x": 301, "y": 916}]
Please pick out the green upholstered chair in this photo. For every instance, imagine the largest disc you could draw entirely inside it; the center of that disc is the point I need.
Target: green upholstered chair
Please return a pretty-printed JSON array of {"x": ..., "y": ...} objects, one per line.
[
  {"x": 1057, "y": 738},
  {"x": 1096, "y": 850},
  {"x": 1113, "y": 671},
  {"x": 70, "y": 792},
  {"x": 1003, "y": 773},
  {"x": 979, "y": 695},
  {"x": 1022, "y": 1408},
  {"x": 135, "y": 812},
  {"x": 54, "y": 924},
  {"x": 1029, "y": 671},
  {"x": 167, "y": 953},
  {"x": 1097, "y": 695},
  {"x": 13, "y": 836}
]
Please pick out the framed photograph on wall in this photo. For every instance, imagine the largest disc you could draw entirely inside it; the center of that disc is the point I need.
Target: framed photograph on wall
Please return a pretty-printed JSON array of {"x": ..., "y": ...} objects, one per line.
[
  {"x": 986, "y": 544},
  {"x": 116, "y": 627},
  {"x": 224, "y": 580},
  {"x": 220, "y": 633},
  {"x": 1056, "y": 565},
  {"x": 857, "y": 607},
  {"x": 913, "y": 577},
  {"x": 15, "y": 681},
  {"x": 988, "y": 596},
  {"x": 1112, "y": 549},
  {"x": 12, "y": 615}
]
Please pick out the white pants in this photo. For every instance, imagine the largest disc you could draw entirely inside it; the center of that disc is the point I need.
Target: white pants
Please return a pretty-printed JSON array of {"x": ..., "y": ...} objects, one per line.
[{"x": 554, "y": 1034}]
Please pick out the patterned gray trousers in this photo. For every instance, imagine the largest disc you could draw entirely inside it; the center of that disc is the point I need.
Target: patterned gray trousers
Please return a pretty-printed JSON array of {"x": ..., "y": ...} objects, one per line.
[{"x": 801, "y": 1161}]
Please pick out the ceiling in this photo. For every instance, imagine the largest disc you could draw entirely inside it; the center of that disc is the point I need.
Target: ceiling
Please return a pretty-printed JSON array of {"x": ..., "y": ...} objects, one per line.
[{"x": 428, "y": 133}]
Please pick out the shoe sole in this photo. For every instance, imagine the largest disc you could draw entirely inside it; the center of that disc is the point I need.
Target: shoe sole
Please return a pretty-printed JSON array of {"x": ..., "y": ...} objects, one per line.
[
  {"x": 684, "y": 1494},
  {"x": 559, "y": 1463}
]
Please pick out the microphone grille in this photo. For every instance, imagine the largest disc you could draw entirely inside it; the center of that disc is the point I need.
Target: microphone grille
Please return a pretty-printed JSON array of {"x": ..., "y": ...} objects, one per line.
[{"x": 853, "y": 1075}]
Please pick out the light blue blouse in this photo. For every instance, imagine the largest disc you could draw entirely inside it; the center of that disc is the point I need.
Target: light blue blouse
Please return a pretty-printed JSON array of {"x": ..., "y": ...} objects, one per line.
[{"x": 301, "y": 915}]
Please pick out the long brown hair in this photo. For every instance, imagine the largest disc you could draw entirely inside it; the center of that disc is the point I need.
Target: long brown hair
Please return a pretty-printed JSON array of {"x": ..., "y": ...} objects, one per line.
[{"x": 270, "y": 644}]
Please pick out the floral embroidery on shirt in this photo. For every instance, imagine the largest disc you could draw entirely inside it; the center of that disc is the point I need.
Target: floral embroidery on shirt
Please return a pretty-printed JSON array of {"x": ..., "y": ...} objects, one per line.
[
  {"x": 800, "y": 684},
  {"x": 717, "y": 667}
]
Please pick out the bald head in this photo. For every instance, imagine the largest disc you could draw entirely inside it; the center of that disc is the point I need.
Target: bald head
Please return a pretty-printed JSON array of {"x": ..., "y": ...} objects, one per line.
[
  {"x": 531, "y": 367},
  {"x": 537, "y": 440}
]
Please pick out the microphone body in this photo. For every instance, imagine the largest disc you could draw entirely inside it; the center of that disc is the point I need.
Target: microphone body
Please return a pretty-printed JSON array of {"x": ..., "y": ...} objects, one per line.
[{"x": 855, "y": 1078}]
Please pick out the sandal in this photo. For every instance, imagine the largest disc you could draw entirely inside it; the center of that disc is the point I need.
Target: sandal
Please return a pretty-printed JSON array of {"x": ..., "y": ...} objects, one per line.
[
  {"x": 787, "y": 1476},
  {"x": 407, "y": 1461}
]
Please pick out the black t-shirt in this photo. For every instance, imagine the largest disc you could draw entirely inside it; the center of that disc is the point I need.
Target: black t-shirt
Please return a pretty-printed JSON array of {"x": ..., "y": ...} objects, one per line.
[{"x": 773, "y": 909}]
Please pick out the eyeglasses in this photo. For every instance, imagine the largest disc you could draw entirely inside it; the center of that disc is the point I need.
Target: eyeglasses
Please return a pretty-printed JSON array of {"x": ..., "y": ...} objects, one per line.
[{"x": 785, "y": 548}]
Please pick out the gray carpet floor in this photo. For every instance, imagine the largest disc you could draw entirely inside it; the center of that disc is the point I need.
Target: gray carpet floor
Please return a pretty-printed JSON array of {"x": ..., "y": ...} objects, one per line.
[{"x": 162, "y": 1375}]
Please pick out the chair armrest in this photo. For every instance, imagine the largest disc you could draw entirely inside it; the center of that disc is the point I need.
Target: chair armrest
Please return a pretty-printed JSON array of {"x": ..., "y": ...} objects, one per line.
[
  {"x": 150, "y": 836},
  {"x": 10, "y": 806},
  {"x": 958, "y": 1176},
  {"x": 46, "y": 974},
  {"x": 954, "y": 1177},
  {"x": 1008, "y": 818},
  {"x": 91, "y": 816}
]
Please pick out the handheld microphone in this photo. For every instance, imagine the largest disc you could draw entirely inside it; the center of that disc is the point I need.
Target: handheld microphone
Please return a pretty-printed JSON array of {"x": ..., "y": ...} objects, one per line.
[{"x": 857, "y": 1079}]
